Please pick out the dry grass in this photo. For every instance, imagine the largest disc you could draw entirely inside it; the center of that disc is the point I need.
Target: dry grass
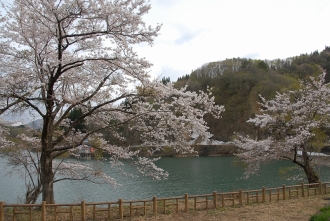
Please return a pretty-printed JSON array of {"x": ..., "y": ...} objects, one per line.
[{"x": 295, "y": 209}]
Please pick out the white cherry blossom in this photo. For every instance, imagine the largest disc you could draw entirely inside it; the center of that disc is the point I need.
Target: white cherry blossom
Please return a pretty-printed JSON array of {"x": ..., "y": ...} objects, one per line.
[
  {"x": 293, "y": 122},
  {"x": 58, "y": 56}
]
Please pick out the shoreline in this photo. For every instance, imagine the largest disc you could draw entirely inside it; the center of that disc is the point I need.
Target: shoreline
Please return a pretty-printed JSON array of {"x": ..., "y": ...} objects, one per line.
[{"x": 202, "y": 150}]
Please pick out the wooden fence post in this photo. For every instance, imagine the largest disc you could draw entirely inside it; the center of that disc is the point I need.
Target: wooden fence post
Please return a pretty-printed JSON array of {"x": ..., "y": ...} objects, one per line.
[
  {"x": 43, "y": 211},
  {"x": 215, "y": 199},
  {"x": 263, "y": 194},
  {"x": 121, "y": 212},
  {"x": 195, "y": 203},
  {"x": 83, "y": 211},
  {"x": 321, "y": 188},
  {"x": 284, "y": 192},
  {"x": 186, "y": 199},
  {"x": 325, "y": 188},
  {"x": 130, "y": 209},
  {"x": 2, "y": 211},
  {"x": 71, "y": 213},
  {"x": 207, "y": 203},
  {"x": 302, "y": 190},
  {"x": 154, "y": 205},
  {"x": 241, "y": 197}
]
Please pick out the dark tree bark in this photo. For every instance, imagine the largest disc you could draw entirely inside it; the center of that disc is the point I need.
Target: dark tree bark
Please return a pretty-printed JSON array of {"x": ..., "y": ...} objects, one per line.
[
  {"x": 32, "y": 194},
  {"x": 47, "y": 178},
  {"x": 312, "y": 177}
]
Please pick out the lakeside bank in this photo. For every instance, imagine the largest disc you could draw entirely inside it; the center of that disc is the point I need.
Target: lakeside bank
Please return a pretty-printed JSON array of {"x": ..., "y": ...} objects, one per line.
[{"x": 225, "y": 149}]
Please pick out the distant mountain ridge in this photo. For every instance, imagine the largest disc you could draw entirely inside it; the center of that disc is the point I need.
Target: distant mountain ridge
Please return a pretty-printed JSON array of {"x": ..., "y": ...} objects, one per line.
[{"x": 36, "y": 124}]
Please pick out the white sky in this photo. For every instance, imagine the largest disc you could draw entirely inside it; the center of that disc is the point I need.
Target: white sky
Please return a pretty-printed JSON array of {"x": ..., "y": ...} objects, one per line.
[{"x": 196, "y": 32}]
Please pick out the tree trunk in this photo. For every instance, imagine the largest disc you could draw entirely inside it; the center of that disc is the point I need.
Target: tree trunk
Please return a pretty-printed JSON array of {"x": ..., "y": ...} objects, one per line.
[
  {"x": 47, "y": 178},
  {"x": 32, "y": 193},
  {"x": 46, "y": 159},
  {"x": 312, "y": 177}
]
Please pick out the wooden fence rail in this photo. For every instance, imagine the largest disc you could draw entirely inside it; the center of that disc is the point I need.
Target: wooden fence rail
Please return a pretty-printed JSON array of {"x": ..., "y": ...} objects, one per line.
[{"x": 130, "y": 208}]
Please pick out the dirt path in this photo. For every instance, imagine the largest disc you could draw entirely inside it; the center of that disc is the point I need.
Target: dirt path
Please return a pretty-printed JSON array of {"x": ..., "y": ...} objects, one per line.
[{"x": 295, "y": 209}]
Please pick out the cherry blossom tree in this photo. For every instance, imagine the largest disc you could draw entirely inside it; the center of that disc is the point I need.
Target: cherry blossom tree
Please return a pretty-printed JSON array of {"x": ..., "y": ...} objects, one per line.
[
  {"x": 60, "y": 55},
  {"x": 292, "y": 126}
]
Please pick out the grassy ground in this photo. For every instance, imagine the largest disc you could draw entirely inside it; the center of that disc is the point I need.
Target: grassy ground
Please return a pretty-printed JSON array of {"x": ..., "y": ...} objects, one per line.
[
  {"x": 323, "y": 215},
  {"x": 295, "y": 209}
]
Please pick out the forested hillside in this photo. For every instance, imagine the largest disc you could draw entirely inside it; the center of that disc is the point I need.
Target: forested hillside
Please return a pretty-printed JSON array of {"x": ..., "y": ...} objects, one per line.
[{"x": 236, "y": 83}]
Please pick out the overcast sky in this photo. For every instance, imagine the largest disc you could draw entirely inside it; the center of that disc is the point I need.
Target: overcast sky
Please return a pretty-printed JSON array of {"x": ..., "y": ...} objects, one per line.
[{"x": 196, "y": 32}]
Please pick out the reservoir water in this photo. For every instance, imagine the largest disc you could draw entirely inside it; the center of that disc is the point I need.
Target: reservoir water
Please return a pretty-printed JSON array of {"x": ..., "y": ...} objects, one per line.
[{"x": 193, "y": 175}]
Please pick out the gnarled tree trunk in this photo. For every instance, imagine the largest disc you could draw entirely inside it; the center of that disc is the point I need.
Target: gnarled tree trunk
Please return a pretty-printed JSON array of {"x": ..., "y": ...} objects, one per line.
[
  {"x": 32, "y": 193},
  {"x": 46, "y": 159},
  {"x": 47, "y": 178},
  {"x": 312, "y": 177}
]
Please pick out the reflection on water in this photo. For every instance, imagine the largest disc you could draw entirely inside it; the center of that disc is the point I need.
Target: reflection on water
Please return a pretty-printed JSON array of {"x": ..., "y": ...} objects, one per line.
[{"x": 198, "y": 175}]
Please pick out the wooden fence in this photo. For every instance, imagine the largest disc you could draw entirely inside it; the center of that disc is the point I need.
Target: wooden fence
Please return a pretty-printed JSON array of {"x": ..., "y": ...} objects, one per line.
[{"x": 129, "y": 208}]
